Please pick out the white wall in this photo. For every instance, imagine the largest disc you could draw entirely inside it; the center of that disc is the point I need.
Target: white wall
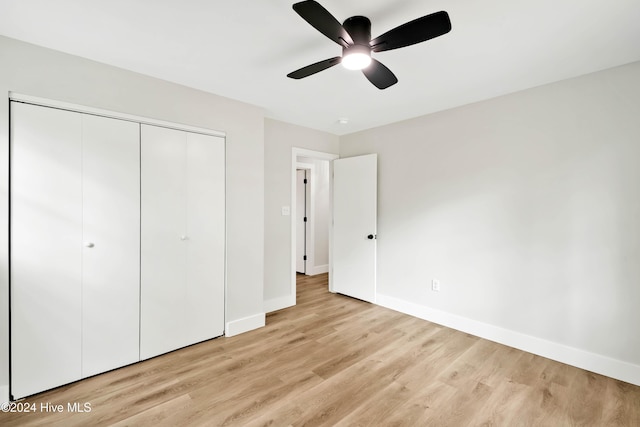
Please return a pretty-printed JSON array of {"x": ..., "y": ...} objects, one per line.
[
  {"x": 41, "y": 72},
  {"x": 319, "y": 181},
  {"x": 280, "y": 139},
  {"x": 527, "y": 209}
]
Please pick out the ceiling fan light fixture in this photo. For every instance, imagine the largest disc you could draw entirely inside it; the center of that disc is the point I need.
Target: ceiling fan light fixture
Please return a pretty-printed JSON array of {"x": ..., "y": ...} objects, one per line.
[
  {"x": 354, "y": 36},
  {"x": 356, "y": 57}
]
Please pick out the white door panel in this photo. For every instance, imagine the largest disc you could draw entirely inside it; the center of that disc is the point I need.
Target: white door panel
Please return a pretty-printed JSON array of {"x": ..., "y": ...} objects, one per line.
[
  {"x": 111, "y": 243},
  {"x": 163, "y": 240},
  {"x": 354, "y": 226},
  {"x": 206, "y": 237},
  {"x": 46, "y": 236},
  {"x": 183, "y": 239}
]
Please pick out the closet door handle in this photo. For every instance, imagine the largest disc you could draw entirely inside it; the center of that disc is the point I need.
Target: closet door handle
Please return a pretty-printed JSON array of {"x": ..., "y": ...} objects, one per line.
[
  {"x": 183, "y": 237},
  {"x": 89, "y": 244}
]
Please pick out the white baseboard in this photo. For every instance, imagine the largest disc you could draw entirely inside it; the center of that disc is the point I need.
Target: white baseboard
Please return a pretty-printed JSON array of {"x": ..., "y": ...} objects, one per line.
[
  {"x": 246, "y": 324},
  {"x": 279, "y": 303},
  {"x": 319, "y": 269},
  {"x": 571, "y": 356}
]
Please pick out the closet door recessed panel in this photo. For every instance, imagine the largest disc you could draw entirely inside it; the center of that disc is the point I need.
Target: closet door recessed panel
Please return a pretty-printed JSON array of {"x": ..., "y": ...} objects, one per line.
[
  {"x": 111, "y": 243},
  {"x": 46, "y": 236}
]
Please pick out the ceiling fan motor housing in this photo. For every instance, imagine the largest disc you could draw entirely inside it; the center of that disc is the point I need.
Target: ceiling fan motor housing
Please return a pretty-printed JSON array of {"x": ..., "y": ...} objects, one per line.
[{"x": 359, "y": 28}]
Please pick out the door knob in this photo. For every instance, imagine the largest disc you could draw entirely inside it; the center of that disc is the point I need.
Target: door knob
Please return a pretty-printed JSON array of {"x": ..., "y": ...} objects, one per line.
[
  {"x": 89, "y": 244},
  {"x": 183, "y": 237},
  {"x": 371, "y": 237}
]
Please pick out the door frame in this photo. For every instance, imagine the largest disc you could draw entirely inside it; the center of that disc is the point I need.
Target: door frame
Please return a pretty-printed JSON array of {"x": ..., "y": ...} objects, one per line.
[{"x": 318, "y": 155}]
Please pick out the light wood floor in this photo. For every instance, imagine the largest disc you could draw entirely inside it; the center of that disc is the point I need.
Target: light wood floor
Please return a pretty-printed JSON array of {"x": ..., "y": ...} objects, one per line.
[{"x": 332, "y": 360}]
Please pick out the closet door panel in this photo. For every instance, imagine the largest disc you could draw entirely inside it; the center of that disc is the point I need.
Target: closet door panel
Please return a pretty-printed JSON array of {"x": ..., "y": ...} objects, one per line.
[
  {"x": 206, "y": 231},
  {"x": 163, "y": 241},
  {"x": 46, "y": 236},
  {"x": 111, "y": 244}
]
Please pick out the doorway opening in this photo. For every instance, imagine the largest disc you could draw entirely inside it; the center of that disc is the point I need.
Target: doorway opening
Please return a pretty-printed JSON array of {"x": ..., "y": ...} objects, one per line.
[{"x": 310, "y": 239}]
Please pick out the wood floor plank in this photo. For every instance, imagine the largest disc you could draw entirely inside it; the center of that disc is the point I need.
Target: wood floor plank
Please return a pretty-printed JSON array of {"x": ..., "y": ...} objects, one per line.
[{"x": 333, "y": 360}]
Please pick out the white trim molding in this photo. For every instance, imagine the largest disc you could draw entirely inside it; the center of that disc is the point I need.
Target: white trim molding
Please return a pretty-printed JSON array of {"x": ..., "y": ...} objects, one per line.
[
  {"x": 246, "y": 324},
  {"x": 319, "y": 155},
  {"x": 275, "y": 304},
  {"x": 593, "y": 362},
  {"x": 319, "y": 269},
  {"x": 28, "y": 99}
]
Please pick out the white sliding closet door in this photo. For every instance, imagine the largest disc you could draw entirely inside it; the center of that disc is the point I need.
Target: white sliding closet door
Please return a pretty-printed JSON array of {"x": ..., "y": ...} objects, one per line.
[
  {"x": 111, "y": 244},
  {"x": 182, "y": 239},
  {"x": 46, "y": 236}
]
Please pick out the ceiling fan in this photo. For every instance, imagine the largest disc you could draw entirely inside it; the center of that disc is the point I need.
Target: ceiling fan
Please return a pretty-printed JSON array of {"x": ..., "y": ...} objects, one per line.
[{"x": 354, "y": 35}]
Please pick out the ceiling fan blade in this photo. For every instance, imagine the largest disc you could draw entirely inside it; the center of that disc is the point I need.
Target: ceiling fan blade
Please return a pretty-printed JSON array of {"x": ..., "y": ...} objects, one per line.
[
  {"x": 314, "y": 68},
  {"x": 323, "y": 21},
  {"x": 379, "y": 75},
  {"x": 416, "y": 31}
]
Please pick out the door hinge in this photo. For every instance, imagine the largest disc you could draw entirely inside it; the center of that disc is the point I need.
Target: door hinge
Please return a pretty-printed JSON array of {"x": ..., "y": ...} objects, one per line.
[
  {"x": 305, "y": 180},
  {"x": 305, "y": 219},
  {"x": 304, "y": 258}
]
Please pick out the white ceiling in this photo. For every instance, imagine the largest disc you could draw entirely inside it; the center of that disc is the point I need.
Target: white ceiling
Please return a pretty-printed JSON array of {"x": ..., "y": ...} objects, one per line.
[{"x": 243, "y": 49}]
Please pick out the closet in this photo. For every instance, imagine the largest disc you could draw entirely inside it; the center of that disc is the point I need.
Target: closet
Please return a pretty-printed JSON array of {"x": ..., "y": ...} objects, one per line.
[
  {"x": 116, "y": 253},
  {"x": 182, "y": 239}
]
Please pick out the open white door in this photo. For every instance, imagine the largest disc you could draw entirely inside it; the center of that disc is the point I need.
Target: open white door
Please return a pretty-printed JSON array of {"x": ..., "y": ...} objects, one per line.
[{"x": 354, "y": 226}]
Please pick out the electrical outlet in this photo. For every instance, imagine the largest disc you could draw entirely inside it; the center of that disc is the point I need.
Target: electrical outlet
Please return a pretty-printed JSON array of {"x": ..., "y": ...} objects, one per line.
[{"x": 435, "y": 285}]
